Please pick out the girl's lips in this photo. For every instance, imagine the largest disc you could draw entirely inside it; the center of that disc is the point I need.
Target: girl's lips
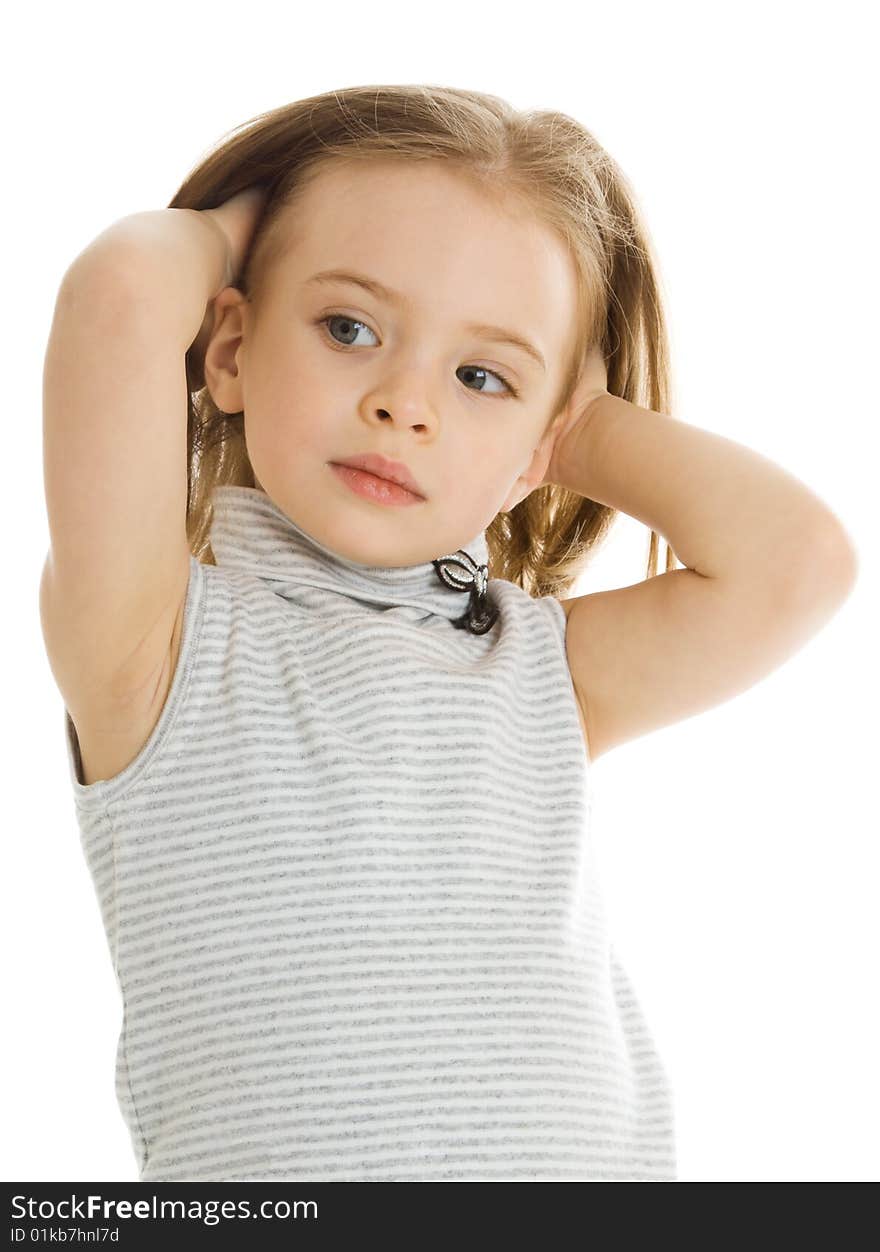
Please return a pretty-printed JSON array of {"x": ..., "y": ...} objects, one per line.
[{"x": 371, "y": 487}]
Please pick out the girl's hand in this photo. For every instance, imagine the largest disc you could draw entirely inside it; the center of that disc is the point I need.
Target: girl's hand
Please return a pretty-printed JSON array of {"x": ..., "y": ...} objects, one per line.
[
  {"x": 236, "y": 219},
  {"x": 593, "y": 382}
]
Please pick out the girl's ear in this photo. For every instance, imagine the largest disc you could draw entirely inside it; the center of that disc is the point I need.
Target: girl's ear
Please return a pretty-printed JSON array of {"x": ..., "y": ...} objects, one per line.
[
  {"x": 224, "y": 335},
  {"x": 534, "y": 474}
]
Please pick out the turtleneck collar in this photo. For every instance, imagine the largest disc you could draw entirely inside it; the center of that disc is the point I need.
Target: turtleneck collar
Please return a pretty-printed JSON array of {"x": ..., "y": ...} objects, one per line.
[{"x": 251, "y": 534}]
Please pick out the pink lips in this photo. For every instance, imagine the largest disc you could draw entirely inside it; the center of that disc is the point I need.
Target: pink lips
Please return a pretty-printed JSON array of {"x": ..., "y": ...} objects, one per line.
[
  {"x": 392, "y": 471},
  {"x": 371, "y": 487}
]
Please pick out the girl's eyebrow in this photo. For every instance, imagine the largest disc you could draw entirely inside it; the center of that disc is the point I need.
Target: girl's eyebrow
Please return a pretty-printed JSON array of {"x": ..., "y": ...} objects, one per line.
[{"x": 498, "y": 334}]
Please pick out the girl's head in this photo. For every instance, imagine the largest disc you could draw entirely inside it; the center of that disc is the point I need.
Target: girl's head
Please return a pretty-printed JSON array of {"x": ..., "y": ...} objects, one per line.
[
  {"x": 325, "y": 370},
  {"x": 472, "y": 216}
]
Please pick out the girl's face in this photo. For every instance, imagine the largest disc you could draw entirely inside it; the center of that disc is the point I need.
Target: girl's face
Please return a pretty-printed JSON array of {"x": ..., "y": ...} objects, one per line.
[{"x": 326, "y": 370}]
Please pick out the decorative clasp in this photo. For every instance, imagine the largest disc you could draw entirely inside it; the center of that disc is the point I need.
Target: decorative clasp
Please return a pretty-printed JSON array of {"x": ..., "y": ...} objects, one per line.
[{"x": 466, "y": 575}]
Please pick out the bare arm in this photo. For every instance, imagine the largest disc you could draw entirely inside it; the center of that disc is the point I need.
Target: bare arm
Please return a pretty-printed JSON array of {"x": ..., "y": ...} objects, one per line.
[
  {"x": 726, "y": 510},
  {"x": 114, "y": 440},
  {"x": 767, "y": 564}
]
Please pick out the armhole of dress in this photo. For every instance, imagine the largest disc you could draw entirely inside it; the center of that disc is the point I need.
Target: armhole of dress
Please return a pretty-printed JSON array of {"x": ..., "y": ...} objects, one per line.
[{"x": 560, "y": 619}]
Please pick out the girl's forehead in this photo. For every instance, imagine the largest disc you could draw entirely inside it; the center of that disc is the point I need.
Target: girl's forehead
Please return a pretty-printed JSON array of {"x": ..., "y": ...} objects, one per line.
[
  {"x": 389, "y": 194},
  {"x": 413, "y": 229}
]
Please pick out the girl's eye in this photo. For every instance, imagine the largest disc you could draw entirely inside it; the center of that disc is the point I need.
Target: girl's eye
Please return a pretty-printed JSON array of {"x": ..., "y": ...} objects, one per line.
[{"x": 350, "y": 327}]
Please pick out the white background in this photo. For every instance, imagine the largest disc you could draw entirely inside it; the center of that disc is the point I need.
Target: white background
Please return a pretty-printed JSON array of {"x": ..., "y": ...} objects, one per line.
[{"x": 739, "y": 847}]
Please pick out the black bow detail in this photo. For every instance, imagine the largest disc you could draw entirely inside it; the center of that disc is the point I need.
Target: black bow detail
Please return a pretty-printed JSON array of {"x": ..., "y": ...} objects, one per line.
[{"x": 480, "y": 614}]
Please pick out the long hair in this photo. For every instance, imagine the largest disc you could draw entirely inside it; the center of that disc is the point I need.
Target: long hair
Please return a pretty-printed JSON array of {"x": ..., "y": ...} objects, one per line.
[{"x": 544, "y": 160}]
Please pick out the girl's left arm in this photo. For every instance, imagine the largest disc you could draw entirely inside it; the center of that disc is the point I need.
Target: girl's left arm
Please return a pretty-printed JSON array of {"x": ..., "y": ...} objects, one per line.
[{"x": 767, "y": 564}]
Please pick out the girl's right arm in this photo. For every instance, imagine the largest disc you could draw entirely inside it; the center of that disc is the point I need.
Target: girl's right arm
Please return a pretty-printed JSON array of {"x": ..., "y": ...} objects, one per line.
[{"x": 114, "y": 445}]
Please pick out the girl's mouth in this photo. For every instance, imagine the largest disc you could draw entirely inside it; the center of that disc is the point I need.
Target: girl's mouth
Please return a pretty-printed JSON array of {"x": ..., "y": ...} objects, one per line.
[{"x": 371, "y": 487}]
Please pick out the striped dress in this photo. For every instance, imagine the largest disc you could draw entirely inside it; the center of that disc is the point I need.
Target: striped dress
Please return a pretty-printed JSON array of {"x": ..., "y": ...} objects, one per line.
[{"x": 350, "y": 892}]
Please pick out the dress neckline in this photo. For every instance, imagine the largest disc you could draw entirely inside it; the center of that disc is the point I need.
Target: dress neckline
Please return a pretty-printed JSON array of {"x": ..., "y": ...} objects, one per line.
[{"x": 250, "y": 533}]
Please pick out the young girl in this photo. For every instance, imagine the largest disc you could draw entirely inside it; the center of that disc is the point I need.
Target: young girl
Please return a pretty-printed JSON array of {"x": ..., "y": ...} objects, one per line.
[{"x": 333, "y": 780}]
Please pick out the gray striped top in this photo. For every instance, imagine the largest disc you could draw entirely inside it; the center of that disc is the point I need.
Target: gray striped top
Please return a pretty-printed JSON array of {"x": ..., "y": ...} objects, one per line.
[{"x": 350, "y": 892}]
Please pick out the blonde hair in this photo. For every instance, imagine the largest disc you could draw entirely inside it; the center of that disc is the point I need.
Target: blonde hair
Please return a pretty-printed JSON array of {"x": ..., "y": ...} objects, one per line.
[{"x": 541, "y": 160}]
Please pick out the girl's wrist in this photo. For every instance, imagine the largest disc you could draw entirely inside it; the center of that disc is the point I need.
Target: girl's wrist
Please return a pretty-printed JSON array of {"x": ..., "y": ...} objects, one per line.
[{"x": 219, "y": 247}]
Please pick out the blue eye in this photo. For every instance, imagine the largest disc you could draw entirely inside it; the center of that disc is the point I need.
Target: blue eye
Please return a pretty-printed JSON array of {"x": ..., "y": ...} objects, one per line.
[{"x": 354, "y": 323}]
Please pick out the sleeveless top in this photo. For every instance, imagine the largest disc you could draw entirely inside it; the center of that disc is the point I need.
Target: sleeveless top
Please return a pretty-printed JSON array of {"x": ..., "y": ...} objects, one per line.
[{"x": 350, "y": 893}]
